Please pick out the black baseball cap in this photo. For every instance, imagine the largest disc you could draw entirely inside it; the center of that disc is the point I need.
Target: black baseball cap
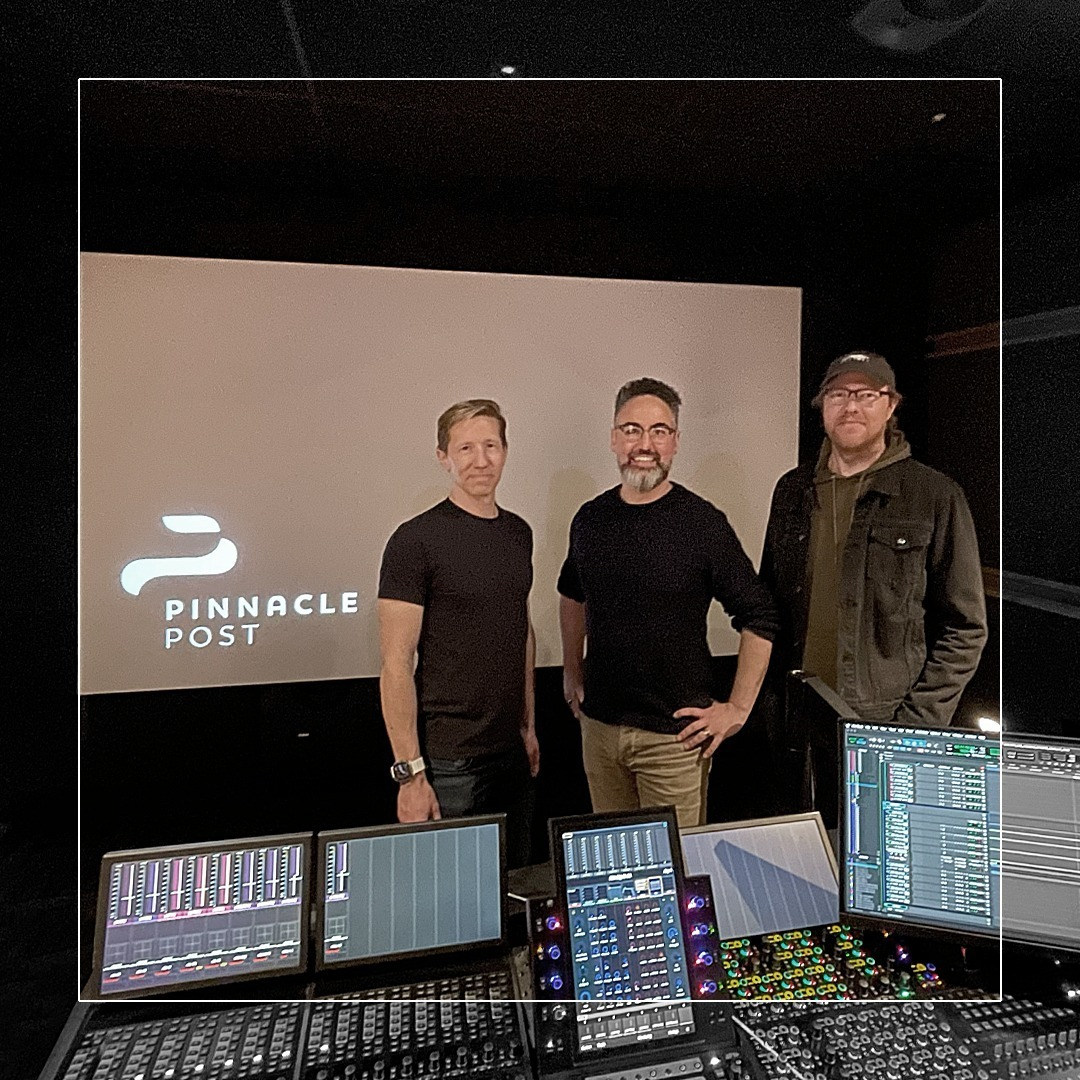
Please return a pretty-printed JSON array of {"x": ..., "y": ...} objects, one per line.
[{"x": 873, "y": 365}]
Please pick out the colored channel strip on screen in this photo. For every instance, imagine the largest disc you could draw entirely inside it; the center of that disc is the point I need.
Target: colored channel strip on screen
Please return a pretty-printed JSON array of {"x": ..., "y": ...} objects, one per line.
[
  {"x": 921, "y": 827},
  {"x": 1040, "y": 840},
  {"x": 200, "y": 915},
  {"x": 620, "y": 878},
  {"x": 410, "y": 890}
]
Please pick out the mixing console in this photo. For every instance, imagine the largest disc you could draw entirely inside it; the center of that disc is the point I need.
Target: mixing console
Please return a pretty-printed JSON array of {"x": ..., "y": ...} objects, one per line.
[
  {"x": 906, "y": 1041},
  {"x": 444, "y": 1028},
  {"x": 497, "y": 984},
  {"x": 396, "y": 1039},
  {"x": 258, "y": 1043},
  {"x": 830, "y": 962}
]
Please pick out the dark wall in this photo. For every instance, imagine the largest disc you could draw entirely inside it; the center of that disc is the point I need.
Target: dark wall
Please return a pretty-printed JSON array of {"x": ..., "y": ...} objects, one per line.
[
  {"x": 182, "y": 766},
  {"x": 1041, "y": 434}
]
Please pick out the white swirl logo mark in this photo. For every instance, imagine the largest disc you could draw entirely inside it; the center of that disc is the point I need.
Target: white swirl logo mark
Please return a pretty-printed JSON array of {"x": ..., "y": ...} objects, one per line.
[{"x": 219, "y": 561}]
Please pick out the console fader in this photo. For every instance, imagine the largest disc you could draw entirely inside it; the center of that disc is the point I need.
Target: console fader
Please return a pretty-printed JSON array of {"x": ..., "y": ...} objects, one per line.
[
  {"x": 993, "y": 1040},
  {"x": 257, "y": 1043},
  {"x": 443, "y": 1029}
]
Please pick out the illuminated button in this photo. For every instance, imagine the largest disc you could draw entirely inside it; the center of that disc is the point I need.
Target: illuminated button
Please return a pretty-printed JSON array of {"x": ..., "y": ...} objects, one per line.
[
  {"x": 708, "y": 987},
  {"x": 555, "y": 982},
  {"x": 552, "y": 922}
]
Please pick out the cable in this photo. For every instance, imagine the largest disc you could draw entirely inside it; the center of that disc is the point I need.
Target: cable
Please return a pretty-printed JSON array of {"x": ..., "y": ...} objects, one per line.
[{"x": 788, "y": 1068}]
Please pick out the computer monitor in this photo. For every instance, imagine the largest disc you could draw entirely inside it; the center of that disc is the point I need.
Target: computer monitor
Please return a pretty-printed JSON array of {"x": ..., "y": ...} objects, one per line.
[
  {"x": 920, "y": 816},
  {"x": 1040, "y": 840},
  {"x": 767, "y": 876},
  {"x": 202, "y": 915},
  {"x": 620, "y": 877},
  {"x": 400, "y": 891}
]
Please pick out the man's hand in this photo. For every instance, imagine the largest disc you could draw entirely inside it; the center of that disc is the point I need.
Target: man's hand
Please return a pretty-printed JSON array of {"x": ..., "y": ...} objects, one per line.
[
  {"x": 532, "y": 748},
  {"x": 416, "y": 801},
  {"x": 573, "y": 694},
  {"x": 712, "y": 726}
]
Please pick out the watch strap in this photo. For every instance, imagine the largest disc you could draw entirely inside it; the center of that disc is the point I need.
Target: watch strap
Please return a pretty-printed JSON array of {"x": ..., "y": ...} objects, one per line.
[{"x": 417, "y": 765}]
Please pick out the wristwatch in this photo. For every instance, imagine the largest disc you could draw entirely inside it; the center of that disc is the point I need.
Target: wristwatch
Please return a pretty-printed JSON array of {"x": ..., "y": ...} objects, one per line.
[{"x": 403, "y": 771}]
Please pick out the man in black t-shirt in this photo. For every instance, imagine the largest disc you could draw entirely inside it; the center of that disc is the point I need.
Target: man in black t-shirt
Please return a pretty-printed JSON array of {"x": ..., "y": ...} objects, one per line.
[
  {"x": 646, "y": 560},
  {"x": 453, "y": 600}
]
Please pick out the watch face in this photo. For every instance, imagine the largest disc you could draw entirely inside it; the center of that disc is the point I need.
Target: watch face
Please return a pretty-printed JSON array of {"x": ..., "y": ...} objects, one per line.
[{"x": 400, "y": 771}]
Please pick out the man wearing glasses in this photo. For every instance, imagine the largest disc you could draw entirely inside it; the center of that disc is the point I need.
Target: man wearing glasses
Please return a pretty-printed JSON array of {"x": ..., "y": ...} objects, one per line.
[
  {"x": 646, "y": 559},
  {"x": 873, "y": 560}
]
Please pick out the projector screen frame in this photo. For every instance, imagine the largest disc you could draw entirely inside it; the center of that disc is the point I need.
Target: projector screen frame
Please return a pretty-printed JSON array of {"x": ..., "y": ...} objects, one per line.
[{"x": 180, "y": 359}]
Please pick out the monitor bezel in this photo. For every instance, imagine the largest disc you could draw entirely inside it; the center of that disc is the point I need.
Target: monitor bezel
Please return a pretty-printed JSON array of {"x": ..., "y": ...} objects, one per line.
[
  {"x": 212, "y": 847},
  {"x": 370, "y": 832},
  {"x": 1017, "y": 936},
  {"x": 915, "y": 926},
  {"x": 581, "y": 822}
]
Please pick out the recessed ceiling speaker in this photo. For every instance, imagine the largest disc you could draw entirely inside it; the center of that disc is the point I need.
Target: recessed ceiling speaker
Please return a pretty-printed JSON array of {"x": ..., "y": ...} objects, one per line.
[{"x": 915, "y": 25}]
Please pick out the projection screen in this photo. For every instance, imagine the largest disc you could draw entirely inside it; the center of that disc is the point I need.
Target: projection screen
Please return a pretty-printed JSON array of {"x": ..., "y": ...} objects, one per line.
[{"x": 251, "y": 433}]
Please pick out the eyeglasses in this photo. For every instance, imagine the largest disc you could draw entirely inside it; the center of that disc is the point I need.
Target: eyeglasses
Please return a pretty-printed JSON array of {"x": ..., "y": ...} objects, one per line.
[
  {"x": 658, "y": 432},
  {"x": 862, "y": 396}
]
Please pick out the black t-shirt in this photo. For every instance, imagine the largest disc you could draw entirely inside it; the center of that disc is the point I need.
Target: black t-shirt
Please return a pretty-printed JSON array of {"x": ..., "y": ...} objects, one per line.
[
  {"x": 472, "y": 577},
  {"x": 646, "y": 574}
]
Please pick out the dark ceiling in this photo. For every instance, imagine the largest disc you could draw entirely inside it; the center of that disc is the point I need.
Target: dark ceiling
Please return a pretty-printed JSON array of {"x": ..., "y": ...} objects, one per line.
[
  {"x": 671, "y": 134},
  {"x": 551, "y": 38},
  {"x": 1030, "y": 44},
  {"x": 761, "y": 140}
]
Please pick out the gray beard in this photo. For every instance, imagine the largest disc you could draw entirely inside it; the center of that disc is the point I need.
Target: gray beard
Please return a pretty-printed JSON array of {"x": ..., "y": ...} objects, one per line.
[{"x": 644, "y": 480}]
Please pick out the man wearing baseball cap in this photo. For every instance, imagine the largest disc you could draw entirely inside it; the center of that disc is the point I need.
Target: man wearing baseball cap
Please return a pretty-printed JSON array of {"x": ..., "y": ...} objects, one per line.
[{"x": 873, "y": 561}]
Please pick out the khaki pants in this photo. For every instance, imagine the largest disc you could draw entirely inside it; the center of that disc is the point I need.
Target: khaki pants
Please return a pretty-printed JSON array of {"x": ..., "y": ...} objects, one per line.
[{"x": 629, "y": 768}]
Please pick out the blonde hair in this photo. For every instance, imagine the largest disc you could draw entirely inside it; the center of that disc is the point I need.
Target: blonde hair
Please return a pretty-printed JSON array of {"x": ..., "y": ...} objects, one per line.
[{"x": 467, "y": 410}]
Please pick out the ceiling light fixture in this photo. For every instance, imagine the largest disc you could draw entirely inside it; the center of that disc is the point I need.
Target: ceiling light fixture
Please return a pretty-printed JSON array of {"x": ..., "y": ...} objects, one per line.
[{"x": 915, "y": 25}]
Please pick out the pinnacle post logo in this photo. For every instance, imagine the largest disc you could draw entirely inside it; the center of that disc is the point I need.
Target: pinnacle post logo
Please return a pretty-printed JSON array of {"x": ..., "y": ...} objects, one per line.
[{"x": 205, "y": 612}]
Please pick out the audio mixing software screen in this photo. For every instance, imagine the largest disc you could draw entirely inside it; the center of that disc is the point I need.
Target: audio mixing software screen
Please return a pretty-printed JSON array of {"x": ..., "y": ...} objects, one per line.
[
  {"x": 922, "y": 826},
  {"x": 193, "y": 917},
  {"x": 1040, "y": 836},
  {"x": 411, "y": 892},
  {"x": 629, "y": 958}
]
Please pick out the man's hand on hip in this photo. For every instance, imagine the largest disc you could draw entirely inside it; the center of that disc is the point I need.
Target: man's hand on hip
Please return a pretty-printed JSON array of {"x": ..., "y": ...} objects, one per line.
[
  {"x": 417, "y": 801},
  {"x": 711, "y": 726},
  {"x": 573, "y": 694}
]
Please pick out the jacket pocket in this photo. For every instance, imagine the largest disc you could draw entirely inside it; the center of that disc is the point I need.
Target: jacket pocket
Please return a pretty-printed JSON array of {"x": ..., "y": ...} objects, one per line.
[
  {"x": 896, "y": 562},
  {"x": 895, "y": 590}
]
